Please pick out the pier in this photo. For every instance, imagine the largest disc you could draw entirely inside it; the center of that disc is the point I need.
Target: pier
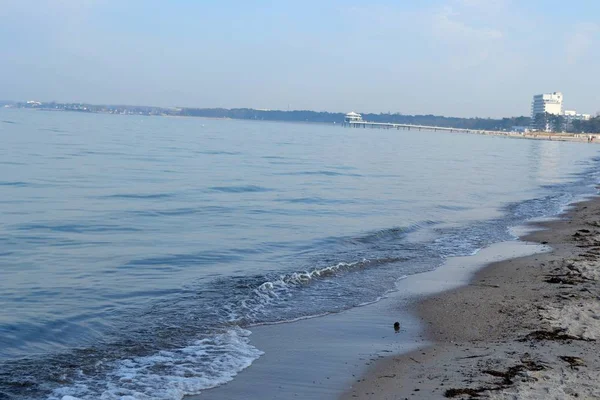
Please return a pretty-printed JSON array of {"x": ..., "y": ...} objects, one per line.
[
  {"x": 386, "y": 125},
  {"x": 354, "y": 120}
]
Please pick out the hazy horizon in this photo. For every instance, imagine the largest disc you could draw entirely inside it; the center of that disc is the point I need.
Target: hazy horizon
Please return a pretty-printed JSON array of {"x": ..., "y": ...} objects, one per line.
[
  {"x": 257, "y": 109},
  {"x": 464, "y": 58}
]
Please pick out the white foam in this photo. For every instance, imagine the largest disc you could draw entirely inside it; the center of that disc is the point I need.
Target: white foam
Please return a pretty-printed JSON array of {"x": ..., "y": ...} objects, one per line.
[
  {"x": 302, "y": 278},
  {"x": 271, "y": 291},
  {"x": 169, "y": 375}
]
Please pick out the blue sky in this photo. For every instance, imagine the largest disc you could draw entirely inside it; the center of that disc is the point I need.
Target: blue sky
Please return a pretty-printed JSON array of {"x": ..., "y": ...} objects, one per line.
[{"x": 450, "y": 57}]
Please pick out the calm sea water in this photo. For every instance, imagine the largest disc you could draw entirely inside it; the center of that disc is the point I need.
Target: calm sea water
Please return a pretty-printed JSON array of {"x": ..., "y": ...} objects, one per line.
[{"x": 136, "y": 253}]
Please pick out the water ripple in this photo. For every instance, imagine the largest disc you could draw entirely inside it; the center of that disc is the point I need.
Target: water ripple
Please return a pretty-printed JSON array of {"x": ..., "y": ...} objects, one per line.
[
  {"x": 77, "y": 228},
  {"x": 14, "y": 183},
  {"x": 322, "y": 172},
  {"x": 149, "y": 196},
  {"x": 240, "y": 189}
]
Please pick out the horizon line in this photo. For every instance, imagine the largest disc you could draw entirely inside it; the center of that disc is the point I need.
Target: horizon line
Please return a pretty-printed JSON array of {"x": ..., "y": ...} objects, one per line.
[{"x": 6, "y": 102}]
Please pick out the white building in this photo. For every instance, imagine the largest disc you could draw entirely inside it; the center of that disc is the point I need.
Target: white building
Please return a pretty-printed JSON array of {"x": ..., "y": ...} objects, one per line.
[
  {"x": 520, "y": 129},
  {"x": 572, "y": 115},
  {"x": 352, "y": 117},
  {"x": 551, "y": 103}
]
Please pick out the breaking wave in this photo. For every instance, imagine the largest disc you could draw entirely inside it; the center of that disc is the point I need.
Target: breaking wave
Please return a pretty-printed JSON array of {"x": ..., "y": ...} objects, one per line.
[{"x": 168, "y": 374}]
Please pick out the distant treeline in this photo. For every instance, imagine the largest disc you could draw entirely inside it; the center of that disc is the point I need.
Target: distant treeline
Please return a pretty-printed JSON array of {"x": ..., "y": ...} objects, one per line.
[
  {"x": 556, "y": 123},
  {"x": 327, "y": 117},
  {"x": 590, "y": 126},
  {"x": 560, "y": 123},
  {"x": 264, "y": 115}
]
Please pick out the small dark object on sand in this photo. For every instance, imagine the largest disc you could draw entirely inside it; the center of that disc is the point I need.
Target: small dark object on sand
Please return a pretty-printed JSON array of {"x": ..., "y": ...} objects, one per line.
[
  {"x": 463, "y": 392},
  {"x": 573, "y": 361},
  {"x": 556, "y": 334},
  {"x": 397, "y": 327},
  {"x": 563, "y": 279}
]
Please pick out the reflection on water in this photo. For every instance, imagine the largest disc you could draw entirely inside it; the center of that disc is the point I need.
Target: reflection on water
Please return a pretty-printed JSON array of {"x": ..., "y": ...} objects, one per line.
[{"x": 546, "y": 156}]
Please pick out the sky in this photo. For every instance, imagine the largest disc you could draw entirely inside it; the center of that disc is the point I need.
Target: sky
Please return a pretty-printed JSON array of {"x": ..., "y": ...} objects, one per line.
[{"x": 464, "y": 58}]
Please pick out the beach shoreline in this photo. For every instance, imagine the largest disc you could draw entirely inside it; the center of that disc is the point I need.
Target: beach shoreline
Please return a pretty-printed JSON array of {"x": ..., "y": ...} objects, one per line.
[
  {"x": 341, "y": 347},
  {"x": 523, "y": 328}
]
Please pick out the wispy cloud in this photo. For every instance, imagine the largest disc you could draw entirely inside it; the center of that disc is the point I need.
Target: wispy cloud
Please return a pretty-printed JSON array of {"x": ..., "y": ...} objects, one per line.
[
  {"x": 485, "y": 5},
  {"x": 470, "y": 44},
  {"x": 580, "y": 41},
  {"x": 450, "y": 24}
]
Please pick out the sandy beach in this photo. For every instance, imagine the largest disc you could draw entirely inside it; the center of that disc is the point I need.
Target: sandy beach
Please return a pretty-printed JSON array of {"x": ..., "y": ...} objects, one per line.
[{"x": 524, "y": 328}]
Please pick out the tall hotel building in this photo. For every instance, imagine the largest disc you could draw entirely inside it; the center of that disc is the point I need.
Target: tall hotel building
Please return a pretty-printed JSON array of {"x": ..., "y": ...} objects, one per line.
[{"x": 551, "y": 103}]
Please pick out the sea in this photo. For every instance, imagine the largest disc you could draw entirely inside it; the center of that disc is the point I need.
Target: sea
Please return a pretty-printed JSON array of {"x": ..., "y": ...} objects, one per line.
[{"x": 138, "y": 253}]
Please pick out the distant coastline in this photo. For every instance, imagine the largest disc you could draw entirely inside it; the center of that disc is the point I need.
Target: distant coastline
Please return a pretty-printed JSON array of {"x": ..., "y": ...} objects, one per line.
[
  {"x": 276, "y": 115},
  {"x": 505, "y": 124}
]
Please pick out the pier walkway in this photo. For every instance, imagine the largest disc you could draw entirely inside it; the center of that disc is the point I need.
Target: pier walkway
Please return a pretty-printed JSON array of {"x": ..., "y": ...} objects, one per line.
[
  {"x": 386, "y": 125},
  {"x": 354, "y": 120}
]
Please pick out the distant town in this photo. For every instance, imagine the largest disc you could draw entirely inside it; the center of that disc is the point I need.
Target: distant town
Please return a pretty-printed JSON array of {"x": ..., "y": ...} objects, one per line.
[
  {"x": 547, "y": 115},
  {"x": 92, "y": 108}
]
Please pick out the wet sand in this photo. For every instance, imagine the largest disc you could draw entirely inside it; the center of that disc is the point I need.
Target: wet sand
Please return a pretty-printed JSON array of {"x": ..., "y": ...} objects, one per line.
[
  {"x": 524, "y": 328},
  {"x": 321, "y": 358}
]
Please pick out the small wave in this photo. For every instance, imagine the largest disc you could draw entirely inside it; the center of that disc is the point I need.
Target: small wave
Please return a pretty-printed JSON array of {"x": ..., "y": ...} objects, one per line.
[
  {"x": 8, "y": 122},
  {"x": 183, "y": 260},
  {"x": 322, "y": 172},
  {"x": 280, "y": 162},
  {"x": 470, "y": 239},
  {"x": 169, "y": 374},
  {"x": 303, "y": 278},
  {"x": 240, "y": 189},
  {"x": 182, "y": 211},
  {"x": 342, "y": 167},
  {"x": 384, "y": 176},
  {"x": 13, "y": 183},
  {"x": 540, "y": 207},
  {"x": 386, "y": 235},
  {"x": 12, "y": 163},
  {"x": 104, "y": 153},
  {"x": 452, "y": 208},
  {"x": 52, "y": 130},
  {"x": 149, "y": 196},
  {"x": 219, "y": 152},
  {"x": 315, "y": 200},
  {"x": 273, "y": 291},
  {"x": 77, "y": 228}
]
